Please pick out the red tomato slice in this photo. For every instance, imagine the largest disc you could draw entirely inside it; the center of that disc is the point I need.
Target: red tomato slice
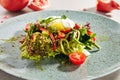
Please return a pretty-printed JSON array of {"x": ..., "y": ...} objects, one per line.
[
  {"x": 43, "y": 29},
  {"x": 61, "y": 35},
  {"x": 22, "y": 40},
  {"x": 77, "y": 58},
  {"x": 66, "y": 30},
  {"x": 37, "y": 5},
  {"x": 53, "y": 40},
  {"x": 77, "y": 26},
  {"x": 52, "y": 37},
  {"x": 54, "y": 47},
  {"x": 27, "y": 27},
  {"x": 89, "y": 33}
]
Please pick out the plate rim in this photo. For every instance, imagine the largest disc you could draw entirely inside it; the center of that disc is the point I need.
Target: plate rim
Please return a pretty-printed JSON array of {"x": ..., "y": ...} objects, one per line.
[{"x": 116, "y": 67}]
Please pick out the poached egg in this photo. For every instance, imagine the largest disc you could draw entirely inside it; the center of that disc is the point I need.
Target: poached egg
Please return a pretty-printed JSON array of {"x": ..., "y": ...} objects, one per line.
[{"x": 61, "y": 24}]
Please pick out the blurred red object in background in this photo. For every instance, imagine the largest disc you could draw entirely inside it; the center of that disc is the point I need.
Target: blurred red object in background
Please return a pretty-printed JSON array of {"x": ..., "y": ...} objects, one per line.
[
  {"x": 14, "y": 5},
  {"x": 107, "y": 5},
  {"x": 17, "y": 5},
  {"x": 37, "y": 5}
]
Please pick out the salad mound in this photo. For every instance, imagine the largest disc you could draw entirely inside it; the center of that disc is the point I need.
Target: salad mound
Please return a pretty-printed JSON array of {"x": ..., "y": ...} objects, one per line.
[{"x": 55, "y": 35}]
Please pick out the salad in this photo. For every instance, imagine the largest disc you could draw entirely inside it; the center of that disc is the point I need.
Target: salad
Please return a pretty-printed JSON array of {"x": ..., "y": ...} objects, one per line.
[{"x": 57, "y": 35}]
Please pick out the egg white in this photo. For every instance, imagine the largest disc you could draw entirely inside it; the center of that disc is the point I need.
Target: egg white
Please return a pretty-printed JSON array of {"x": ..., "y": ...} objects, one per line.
[{"x": 66, "y": 23}]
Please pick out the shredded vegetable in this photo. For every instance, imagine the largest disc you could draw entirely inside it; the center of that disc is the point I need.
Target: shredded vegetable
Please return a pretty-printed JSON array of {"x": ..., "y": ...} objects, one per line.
[{"x": 45, "y": 40}]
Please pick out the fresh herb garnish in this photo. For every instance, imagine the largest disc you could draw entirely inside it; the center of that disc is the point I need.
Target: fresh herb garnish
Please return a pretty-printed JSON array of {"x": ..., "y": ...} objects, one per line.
[{"x": 63, "y": 17}]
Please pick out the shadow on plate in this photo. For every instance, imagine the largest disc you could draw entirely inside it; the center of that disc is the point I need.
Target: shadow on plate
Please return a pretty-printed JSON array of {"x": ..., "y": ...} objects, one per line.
[
  {"x": 10, "y": 53},
  {"x": 93, "y": 9},
  {"x": 68, "y": 67}
]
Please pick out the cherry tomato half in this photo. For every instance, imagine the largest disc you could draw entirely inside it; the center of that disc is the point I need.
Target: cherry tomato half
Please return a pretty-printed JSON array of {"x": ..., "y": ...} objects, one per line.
[{"x": 77, "y": 58}]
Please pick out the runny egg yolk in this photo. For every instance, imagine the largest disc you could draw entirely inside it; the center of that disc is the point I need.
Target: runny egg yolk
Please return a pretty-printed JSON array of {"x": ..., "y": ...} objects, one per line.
[{"x": 61, "y": 24}]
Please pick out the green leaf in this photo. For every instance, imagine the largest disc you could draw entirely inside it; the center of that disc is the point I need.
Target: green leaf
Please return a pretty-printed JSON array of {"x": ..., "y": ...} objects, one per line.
[
  {"x": 63, "y": 17},
  {"x": 48, "y": 20},
  {"x": 92, "y": 35}
]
